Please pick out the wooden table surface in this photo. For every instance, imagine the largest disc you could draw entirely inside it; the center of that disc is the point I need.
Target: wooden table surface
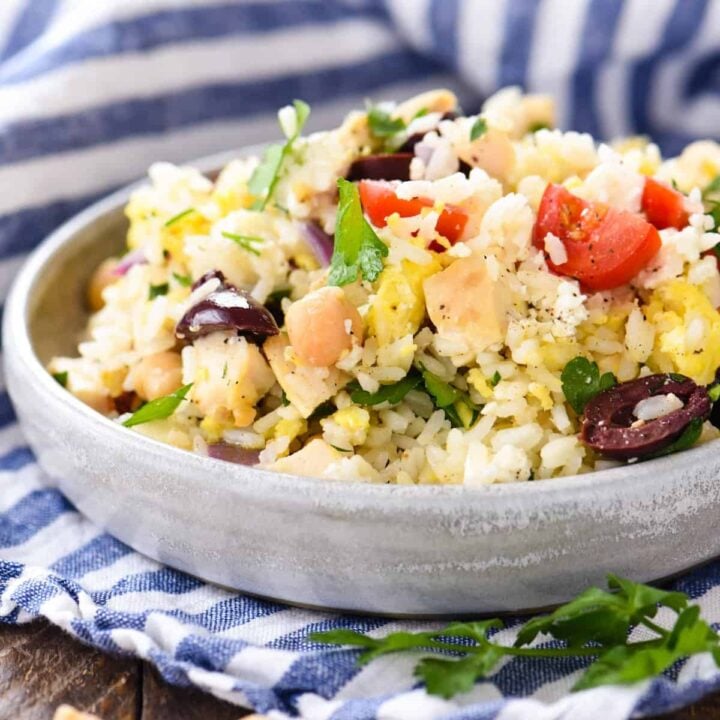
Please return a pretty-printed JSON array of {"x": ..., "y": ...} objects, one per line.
[{"x": 42, "y": 667}]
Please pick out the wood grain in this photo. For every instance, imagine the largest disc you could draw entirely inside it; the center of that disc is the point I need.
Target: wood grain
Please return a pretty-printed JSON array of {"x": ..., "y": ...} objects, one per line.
[{"x": 41, "y": 667}]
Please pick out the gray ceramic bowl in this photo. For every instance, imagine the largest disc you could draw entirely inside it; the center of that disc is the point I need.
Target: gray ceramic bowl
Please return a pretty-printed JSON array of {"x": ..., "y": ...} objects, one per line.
[{"x": 382, "y": 549}]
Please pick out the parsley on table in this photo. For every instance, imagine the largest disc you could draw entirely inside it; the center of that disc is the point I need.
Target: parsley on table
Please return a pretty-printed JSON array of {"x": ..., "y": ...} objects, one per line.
[
  {"x": 266, "y": 174},
  {"x": 459, "y": 409},
  {"x": 158, "y": 290},
  {"x": 357, "y": 249},
  {"x": 392, "y": 394},
  {"x": 581, "y": 382},
  {"x": 158, "y": 409},
  {"x": 478, "y": 129},
  {"x": 596, "y": 624},
  {"x": 61, "y": 378},
  {"x": 176, "y": 218}
]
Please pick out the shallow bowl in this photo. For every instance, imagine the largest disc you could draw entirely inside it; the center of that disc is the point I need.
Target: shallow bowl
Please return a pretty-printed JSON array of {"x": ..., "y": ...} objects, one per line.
[{"x": 427, "y": 550}]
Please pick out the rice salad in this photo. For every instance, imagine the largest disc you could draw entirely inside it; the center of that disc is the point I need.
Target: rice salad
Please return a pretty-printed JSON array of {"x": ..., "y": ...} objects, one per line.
[{"x": 417, "y": 297}]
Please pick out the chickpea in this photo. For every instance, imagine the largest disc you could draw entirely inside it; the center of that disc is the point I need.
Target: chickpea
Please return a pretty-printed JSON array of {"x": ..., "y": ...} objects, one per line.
[
  {"x": 103, "y": 276},
  {"x": 157, "y": 375},
  {"x": 322, "y": 325}
]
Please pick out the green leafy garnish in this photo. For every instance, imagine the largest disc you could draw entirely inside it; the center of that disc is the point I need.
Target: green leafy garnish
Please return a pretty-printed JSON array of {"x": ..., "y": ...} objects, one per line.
[
  {"x": 382, "y": 124},
  {"x": 596, "y": 624},
  {"x": 459, "y": 409},
  {"x": 266, "y": 175},
  {"x": 392, "y": 394},
  {"x": 61, "y": 377},
  {"x": 711, "y": 199},
  {"x": 714, "y": 392},
  {"x": 495, "y": 379},
  {"x": 158, "y": 409},
  {"x": 184, "y": 280},
  {"x": 581, "y": 382},
  {"x": 357, "y": 248},
  {"x": 246, "y": 242},
  {"x": 690, "y": 435},
  {"x": 157, "y": 290},
  {"x": 322, "y": 411},
  {"x": 478, "y": 129},
  {"x": 179, "y": 216}
]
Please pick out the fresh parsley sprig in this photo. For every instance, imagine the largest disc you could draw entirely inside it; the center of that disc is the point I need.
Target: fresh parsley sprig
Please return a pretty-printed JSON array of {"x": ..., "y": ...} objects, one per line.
[
  {"x": 158, "y": 409},
  {"x": 382, "y": 124},
  {"x": 459, "y": 409},
  {"x": 357, "y": 250},
  {"x": 478, "y": 129},
  {"x": 581, "y": 382},
  {"x": 391, "y": 394},
  {"x": 266, "y": 175},
  {"x": 596, "y": 624},
  {"x": 246, "y": 242}
]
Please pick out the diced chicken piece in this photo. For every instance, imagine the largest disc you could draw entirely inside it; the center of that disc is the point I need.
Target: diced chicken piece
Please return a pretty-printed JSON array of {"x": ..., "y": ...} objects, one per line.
[
  {"x": 305, "y": 386},
  {"x": 492, "y": 151},
  {"x": 322, "y": 326},
  {"x": 311, "y": 461},
  {"x": 463, "y": 300},
  {"x": 229, "y": 376},
  {"x": 441, "y": 101}
]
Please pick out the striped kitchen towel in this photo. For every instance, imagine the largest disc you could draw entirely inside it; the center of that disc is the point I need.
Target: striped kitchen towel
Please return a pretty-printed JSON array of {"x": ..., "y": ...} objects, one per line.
[{"x": 92, "y": 92}]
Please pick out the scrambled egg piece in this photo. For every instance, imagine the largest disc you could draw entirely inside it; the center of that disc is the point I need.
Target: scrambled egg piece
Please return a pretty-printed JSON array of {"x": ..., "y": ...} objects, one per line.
[
  {"x": 399, "y": 306},
  {"x": 688, "y": 331}
]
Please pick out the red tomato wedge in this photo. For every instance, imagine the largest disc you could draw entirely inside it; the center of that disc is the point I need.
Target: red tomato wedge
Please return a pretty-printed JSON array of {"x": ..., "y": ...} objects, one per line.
[
  {"x": 379, "y": 201},
  {"x": 606, "y": 248},
  {"x": 663, "y": 206}
]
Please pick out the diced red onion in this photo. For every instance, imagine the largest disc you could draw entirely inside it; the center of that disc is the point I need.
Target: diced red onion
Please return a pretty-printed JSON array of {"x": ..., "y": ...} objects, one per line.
[
  {"x": 233, "y": 453},
  {"x": 319, "y": 241},
  {"x": 135, "y": 257}
]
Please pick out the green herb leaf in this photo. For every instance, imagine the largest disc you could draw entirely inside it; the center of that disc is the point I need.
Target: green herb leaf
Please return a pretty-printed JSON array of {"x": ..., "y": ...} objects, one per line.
[
  {"x": 176, "y": 218},
  {"x": 459, "y": 409},
  {"x": 382, "y": 124},
  {"x": 158, "y": 409},
  {"x": 61, "y": 377},
  {"x": 246, "y": 242},
  {"x": 714, "y": 392},
  {"x": 322, "y": 411},
  {"x": 478, "y": 129},
  {"x": 495, "y": 379},
  {"x": 184, "y": 280},
  {"x": 266, "y": 175},
  {"x": 712, "y": 188},
  {"x": 392, "y": 394},
  {"x": 595, "y": 624},
  {"x": 538, "y": 126},
  {"x": 358, "y": 250},
  {"x": 157, "y": 290},
  {"x": 581, "y": 382},
  {"x": 690, "y": 435}
]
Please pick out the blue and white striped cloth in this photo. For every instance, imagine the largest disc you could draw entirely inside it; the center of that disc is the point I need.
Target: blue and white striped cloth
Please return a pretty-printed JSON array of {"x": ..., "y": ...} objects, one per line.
[{"x": 92, "y": 92}]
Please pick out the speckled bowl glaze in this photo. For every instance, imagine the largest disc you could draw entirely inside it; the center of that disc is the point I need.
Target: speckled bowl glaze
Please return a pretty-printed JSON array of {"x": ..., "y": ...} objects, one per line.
[{"x": 382, "y": 549}]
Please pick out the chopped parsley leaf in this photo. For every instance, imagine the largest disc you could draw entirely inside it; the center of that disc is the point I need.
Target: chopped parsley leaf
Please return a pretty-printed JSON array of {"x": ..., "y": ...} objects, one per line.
[
  {"x": 478, "y": 129},
  {"x": 392, "y": 394},
  {"x": 61, "y": 377},
  {"x": 581, "y": 382},
  {"x": 495, "y": 379},
  {"x": 184, "y": 280},
  {"x": 246, "y": 242},
  {"x": 157, "y": 290},
  {"x": 382, "y": 125},
  {"x": 267, "y": 173},
  {"x": 158, "y": 409},
  {"x": 357, "y": 249},
  {"x": 176, "y": 218}
]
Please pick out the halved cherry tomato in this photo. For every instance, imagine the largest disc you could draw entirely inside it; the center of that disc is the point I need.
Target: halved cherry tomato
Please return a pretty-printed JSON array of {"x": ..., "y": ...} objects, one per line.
[
  {"x": 663, "y": 206},
  {"x": 606, "y": 248},
  {"x": 379, "y": 201}
]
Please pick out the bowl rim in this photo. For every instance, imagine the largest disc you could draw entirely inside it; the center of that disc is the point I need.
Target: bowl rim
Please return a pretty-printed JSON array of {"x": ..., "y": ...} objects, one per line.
[{"x": 16, "y": 340}]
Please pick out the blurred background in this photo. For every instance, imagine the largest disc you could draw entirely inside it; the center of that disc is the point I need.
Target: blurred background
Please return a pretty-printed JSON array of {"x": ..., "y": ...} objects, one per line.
[{"x": 93, "y": 91}]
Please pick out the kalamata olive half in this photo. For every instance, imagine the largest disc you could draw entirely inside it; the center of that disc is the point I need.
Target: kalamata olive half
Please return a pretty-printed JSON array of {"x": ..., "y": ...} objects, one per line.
[
  {"x": 209, "y": 275},
  {"x": 226, "y": 308},
  {"x": 610, "y": 427},
  {"x": 233, "y": 453},
  {"x": 389, "y": 166}
]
